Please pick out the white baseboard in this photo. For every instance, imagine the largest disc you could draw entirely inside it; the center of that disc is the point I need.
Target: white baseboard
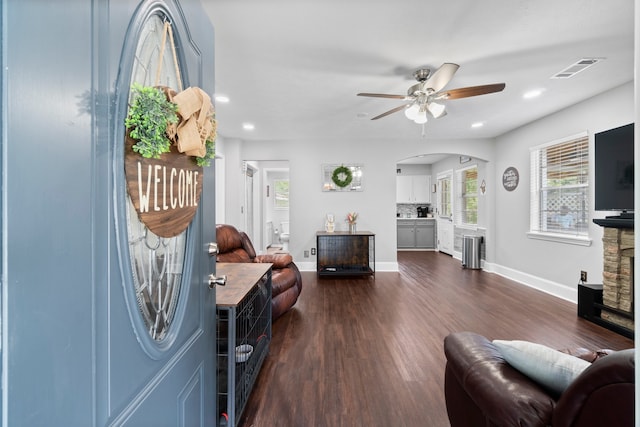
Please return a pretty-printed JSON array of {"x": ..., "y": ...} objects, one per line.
[
  {"x": 552, "y": 288},
  {"x": 306, "y": 266}
]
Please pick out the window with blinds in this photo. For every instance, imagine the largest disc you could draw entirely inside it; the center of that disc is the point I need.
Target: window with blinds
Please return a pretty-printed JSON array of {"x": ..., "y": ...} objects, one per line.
[
  {"x": 467, "y": 196},
  {"x": 560, "y": 187}
]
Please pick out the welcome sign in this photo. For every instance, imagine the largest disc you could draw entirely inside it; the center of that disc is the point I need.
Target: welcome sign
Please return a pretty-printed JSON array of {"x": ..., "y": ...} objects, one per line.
[{"x": 166, "y": 191}]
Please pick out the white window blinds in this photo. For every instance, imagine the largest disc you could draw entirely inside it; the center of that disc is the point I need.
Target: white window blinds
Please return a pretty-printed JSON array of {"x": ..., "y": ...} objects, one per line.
[{"x": 560, "y": 187}]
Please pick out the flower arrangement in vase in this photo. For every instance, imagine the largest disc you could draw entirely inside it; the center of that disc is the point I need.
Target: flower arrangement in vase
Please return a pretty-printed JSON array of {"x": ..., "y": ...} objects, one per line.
[{"x": 351, "y": 219}]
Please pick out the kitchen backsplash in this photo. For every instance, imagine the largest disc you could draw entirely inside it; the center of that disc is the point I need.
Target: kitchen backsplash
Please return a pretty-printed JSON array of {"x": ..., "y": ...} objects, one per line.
[{"x": 408, "y": 210}]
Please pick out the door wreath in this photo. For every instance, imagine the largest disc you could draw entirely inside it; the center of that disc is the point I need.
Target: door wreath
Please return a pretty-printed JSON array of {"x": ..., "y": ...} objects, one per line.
[
  {"x": 342, "y": 176},
  {"x": 170, "y": 137}
]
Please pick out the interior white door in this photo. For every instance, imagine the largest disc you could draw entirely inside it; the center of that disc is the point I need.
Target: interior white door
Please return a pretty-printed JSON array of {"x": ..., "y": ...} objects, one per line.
[{"x": 444, "y": 215}]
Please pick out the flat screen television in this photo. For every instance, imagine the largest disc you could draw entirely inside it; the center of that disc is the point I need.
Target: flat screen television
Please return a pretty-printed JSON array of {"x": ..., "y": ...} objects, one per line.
[{"x": 614, "y": 170}]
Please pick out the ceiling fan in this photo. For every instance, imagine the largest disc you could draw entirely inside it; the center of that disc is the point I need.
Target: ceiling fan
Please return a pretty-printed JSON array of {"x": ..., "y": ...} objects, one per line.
[{"x": 423, "y": 95}]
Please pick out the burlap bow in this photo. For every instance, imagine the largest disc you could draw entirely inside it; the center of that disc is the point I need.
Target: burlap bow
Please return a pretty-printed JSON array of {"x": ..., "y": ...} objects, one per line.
[{"x": 196, "y": 124}]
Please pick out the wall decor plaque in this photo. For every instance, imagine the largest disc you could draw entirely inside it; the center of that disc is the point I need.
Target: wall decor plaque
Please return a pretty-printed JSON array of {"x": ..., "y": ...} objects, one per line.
[
  {"x": 166, "y": 191},
  {"x": 510, "y": 178},
  {"x": 342, "y": 177}
]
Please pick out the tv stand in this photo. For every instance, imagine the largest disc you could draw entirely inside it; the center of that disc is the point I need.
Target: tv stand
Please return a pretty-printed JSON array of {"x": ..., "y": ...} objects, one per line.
[
  {"x": 624, "y": 220},
  {"x": 590, "y": 307}
]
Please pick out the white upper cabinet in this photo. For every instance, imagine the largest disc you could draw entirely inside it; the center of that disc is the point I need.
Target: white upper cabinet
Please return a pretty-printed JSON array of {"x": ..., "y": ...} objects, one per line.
[
  {"x": 413, "y": 189},
  {"x": 404, "y": 189}
]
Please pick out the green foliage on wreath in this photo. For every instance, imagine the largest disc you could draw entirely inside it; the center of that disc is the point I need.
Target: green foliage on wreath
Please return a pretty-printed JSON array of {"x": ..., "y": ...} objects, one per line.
[
  {"x": 147, "y": 120},
  {"x": 210, "y": 145},
  {"x": 338, "y": 173}
]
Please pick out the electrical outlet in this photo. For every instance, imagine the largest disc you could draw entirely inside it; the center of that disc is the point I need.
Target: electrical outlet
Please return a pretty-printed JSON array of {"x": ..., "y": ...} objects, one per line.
[
  {"x": 583, "y": 276},
  {"x": 306, "y": 254},
  {"x": 313, "y": 251}
]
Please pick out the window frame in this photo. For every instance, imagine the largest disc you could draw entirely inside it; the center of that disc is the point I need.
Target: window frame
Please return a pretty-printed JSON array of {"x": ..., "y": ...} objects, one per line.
[
  {"x": 541, "y": 226},
  {"x": 445, "y": 176},
  {"x": 462, "y": 197},
  {"x": 276, "y": 193}
]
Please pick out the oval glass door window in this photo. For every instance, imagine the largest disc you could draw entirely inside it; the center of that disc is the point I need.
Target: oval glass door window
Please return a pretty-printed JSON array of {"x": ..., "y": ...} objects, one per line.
[{"x": 156, "y": 262}]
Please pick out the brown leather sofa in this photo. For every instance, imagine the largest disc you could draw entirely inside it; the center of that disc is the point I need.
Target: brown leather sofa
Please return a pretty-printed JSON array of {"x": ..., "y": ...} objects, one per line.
[
  {"x": 482, "y": 389},
  {"x": 286, "y": 280}
]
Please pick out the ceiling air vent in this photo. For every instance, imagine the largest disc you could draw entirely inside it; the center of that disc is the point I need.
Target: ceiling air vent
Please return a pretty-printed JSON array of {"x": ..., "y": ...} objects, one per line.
[{"x": 574, "y": 69}]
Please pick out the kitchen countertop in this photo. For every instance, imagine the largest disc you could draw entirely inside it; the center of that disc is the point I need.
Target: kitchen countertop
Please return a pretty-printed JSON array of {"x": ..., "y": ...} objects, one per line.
[{"x": 420, "y": 219}]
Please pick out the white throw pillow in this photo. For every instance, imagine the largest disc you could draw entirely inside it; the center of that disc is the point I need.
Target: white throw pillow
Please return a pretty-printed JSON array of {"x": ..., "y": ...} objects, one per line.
[{"x": 546, "y": 366}]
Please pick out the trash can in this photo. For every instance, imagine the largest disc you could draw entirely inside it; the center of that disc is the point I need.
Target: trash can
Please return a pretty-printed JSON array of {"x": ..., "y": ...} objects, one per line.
[{"x": 471, "y": 251}]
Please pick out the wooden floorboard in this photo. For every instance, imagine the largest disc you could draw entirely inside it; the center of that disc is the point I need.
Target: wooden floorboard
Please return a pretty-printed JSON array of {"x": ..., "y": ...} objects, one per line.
[{"x": 369, "y": 351}]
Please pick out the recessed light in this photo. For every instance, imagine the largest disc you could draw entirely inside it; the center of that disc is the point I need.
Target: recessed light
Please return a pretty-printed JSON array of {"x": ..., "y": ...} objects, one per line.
[
  {"x": 222, "y": 98},
  {"x": 532, "y": 94},
  {"x": 477, "y": 125},
  {"x": 248, "y": 126}
]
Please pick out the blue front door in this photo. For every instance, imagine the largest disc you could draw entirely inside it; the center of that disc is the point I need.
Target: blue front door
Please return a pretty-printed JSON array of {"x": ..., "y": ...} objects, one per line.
[{"x": 103, "y": 323}]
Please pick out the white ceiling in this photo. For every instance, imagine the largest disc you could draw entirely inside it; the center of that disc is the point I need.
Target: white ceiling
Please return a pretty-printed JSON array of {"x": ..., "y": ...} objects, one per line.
[{"x": 293, "y": 67}]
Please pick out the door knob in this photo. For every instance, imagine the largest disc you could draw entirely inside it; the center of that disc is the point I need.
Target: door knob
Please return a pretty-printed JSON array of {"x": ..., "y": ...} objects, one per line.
[
  {"x": 213, "y": 281},
  {"x": 213, "y": 249}
]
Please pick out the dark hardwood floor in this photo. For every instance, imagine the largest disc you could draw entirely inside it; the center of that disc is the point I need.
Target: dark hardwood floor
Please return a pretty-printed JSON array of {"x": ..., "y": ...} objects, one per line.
[{"x": 369, "y": 351}]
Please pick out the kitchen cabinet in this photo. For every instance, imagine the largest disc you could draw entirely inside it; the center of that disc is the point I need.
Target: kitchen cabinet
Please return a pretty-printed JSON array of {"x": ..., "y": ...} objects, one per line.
[
  {"x": 425, "y": 234},
  {"x": 419, "y": 233},
  {"x": 413, "y": 189},
  {"x": 406, "y": 233}
]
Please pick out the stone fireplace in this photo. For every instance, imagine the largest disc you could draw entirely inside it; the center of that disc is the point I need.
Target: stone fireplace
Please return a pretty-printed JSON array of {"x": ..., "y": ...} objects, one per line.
[{"x": 617, "y": 276}]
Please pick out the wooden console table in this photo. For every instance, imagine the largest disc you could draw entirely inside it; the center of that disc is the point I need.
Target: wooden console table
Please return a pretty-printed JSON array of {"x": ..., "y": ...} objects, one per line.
[
  {"x": 243, "y": 333},
  {"x": 343, "y": 253}
]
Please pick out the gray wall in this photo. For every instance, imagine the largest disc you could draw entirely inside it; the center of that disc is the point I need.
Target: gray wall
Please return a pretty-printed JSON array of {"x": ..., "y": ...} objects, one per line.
[
  {"x": 553, "y": 267},
  {"x": 376, "y": 205},
  {"x": 556, "y": 265}
]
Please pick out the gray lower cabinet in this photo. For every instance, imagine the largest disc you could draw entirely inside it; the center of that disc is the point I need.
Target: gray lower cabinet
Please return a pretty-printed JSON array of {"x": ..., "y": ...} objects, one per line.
[
  {"x": 406, "y": 233},
  {"x": 426, "y": 234},
  {"x": 416, "y": 234}
]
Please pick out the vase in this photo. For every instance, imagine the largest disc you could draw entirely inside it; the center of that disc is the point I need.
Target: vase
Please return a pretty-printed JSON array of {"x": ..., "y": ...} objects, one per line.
[{"x": 352, "y": 227}]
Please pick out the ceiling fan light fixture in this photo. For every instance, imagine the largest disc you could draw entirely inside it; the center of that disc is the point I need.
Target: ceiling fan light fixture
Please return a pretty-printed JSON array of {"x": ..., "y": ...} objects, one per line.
[
  {"x": 429, "y": 88},
  {"x": 421, "y": 117},
  {"x": 412, "y": 111},
  {"x": 436, "y": 110}
]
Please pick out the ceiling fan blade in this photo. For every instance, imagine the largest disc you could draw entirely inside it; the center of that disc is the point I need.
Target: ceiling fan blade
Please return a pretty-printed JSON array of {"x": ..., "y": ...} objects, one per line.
[
  {"x": 466, "y": 92},
  {"x": 383, "y": 95},
  {"x": 441, "y": 76},
  {"x": 394, "y": 110}
]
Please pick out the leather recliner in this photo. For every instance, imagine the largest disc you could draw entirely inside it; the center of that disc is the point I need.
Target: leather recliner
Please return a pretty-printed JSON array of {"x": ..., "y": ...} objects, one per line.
[
  {"x": 482, "y": 389},
  {"x": 286, "y": 280}
]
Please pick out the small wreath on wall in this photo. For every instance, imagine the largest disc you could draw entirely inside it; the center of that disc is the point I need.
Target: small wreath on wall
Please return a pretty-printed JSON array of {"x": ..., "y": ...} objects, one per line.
[{"x": 342, "y": 176}]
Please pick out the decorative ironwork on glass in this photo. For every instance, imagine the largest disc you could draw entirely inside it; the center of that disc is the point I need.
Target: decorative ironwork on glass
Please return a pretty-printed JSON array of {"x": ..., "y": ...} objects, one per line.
[
  {"x": 156, "y": 262},
  {"x": 157, "y": 272}
]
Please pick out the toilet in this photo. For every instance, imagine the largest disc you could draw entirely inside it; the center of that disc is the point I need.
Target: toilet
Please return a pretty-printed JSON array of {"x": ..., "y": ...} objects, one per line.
[{"x": 284, "y": 235}]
